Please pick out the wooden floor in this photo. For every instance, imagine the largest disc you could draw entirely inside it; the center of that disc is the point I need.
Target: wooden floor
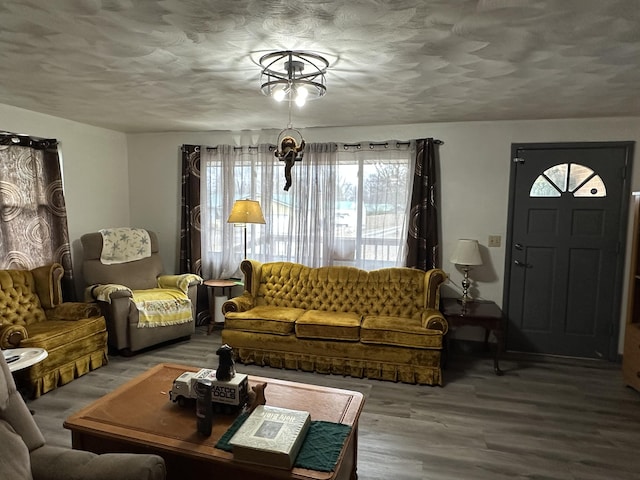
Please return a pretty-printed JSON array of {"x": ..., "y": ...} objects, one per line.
[{"x": 544, "y": 419}]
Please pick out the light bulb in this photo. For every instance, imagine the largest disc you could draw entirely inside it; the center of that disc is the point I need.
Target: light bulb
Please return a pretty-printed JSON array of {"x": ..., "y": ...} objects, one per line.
[
  {"x": 302, "y": 92},
  {"x": 301, "y": 96},
  {"x": 279, "y": 94}
]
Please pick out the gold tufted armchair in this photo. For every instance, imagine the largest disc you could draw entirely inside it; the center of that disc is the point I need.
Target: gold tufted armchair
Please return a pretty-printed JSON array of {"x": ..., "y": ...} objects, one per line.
[{"x": 33, "y": 314}]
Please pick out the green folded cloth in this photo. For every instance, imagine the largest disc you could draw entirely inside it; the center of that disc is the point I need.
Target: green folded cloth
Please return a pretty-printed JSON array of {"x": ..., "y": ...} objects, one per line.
[{"x": 319, "y": 451}]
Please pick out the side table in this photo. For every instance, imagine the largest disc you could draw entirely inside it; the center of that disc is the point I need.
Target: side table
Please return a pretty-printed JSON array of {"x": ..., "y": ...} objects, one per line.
[
  {"x": 226, "y": 286},
  {"x": 19, "y": 358},
  {"x": 479, "y": 313}
]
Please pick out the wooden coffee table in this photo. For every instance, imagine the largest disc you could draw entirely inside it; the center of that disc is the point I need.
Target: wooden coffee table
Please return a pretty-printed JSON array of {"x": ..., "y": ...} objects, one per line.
[{"x": 139, "y": 418}]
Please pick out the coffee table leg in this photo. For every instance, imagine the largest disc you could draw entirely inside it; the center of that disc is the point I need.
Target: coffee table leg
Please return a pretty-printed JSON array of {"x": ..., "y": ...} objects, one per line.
[{"x": 354, "y": 471}]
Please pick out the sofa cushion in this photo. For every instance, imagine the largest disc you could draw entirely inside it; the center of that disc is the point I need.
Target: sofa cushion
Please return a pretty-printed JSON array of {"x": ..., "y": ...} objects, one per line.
[
  {"x": 264, "y": 319},
  {"x": 404, "y": 332},
  {"x": 55, "y": 333},
  {"x": 329, "y": 325}
]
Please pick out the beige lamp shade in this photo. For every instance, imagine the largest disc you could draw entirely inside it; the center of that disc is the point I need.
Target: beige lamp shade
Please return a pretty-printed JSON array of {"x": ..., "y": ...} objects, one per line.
[
  {"x": 246, "y": 211},
  {"x": 467, "y": 252}
]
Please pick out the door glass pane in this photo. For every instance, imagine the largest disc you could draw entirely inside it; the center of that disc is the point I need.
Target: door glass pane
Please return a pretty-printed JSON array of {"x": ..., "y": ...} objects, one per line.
[
  {"x": 558, "y": 175},
  {"x": 543, "y": 188},
  {"x": 593, "y": 188},
  {"x": 577, "y": 175}
]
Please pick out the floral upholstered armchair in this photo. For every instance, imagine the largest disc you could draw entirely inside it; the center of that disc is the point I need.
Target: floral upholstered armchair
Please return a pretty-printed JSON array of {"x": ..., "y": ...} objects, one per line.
[
  {"x": 34, "y": 315},
  {"x": 123, "y": 270}
]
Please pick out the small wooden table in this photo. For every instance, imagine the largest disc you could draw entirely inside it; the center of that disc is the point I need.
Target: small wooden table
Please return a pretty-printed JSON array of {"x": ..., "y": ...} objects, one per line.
[
  {"x": 482, "y": 313},
  {"x": 211, "y": 288},
  {"x": 139, "y": 418}
]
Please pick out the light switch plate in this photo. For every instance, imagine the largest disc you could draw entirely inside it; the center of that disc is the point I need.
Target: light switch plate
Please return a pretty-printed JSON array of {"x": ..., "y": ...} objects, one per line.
[{"x": 495, "y": 240}]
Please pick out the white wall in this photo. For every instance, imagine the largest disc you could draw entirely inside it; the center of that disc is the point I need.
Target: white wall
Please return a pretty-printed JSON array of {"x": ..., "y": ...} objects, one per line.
[
  {"x": 112, "y": 179},
  {"x": 95, "y": 170},
  {"x": 475, "y": 165}
]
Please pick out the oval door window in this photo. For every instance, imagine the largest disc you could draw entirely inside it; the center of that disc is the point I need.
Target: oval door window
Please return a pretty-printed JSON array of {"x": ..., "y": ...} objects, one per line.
[{"x": 568, "y": 178}]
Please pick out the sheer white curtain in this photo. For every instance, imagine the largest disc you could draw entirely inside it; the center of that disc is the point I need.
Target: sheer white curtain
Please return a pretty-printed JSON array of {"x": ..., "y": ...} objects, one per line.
[
  {"x": 375, "y": 180},
  {"x": 228, "y": 173},
  {"x": 347, "y": 205},
  {"x": 301, "y": 220}
]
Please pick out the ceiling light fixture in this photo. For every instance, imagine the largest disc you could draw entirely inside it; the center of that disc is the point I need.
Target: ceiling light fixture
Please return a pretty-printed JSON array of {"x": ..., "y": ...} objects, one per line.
[{"x": 295, "y": 76}]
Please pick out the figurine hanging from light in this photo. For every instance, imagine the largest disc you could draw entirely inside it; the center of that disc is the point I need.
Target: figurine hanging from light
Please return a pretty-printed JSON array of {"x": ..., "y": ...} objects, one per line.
[
  {"x": 290, "y": 149},
  {"x": 292, "y": 76},
  {"x": 289, "y": 152}
]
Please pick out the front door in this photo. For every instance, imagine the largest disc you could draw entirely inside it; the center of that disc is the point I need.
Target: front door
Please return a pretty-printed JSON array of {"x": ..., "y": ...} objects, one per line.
[{"x": 565, "y": 258}]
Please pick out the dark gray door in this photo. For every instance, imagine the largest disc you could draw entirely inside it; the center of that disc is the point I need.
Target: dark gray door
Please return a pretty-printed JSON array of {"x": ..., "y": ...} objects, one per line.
[{"x": 565, "y": 258}]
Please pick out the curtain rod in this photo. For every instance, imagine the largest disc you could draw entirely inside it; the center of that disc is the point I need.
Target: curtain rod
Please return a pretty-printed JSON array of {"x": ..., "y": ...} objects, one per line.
[
  {"x": 250, "y": 147},
  {"x": 385, "y": 144},
  {"x": 10, "y": 138},
  {"x": 346, "y": 145}
]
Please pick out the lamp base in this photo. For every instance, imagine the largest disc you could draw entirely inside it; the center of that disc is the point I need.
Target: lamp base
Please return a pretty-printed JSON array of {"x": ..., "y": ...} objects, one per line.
[
  {"x": 466, "y": 301},
  {"x": 466, "y": 283}
]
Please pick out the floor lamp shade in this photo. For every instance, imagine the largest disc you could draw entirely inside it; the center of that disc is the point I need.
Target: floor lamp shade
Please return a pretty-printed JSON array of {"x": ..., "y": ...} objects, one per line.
[
  {"x": 243, "y": 212},
  {"x": 246, "y": 211}
]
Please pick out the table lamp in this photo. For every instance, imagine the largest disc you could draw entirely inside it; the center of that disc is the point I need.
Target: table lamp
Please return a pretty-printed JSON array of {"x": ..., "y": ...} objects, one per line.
[
  {"x": 466, "y": 254},
  {"x": 243, "y": 212}
]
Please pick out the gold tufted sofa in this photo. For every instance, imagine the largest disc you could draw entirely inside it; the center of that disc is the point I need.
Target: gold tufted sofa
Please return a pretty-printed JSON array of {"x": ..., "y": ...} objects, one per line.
[
  {"x": 383, "y": 324},
  {"x": 33, "y": 314}
]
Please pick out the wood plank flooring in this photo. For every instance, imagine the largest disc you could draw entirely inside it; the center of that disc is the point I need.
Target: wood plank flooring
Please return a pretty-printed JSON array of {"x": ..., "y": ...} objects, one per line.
[{"x": 545, "y": 419}]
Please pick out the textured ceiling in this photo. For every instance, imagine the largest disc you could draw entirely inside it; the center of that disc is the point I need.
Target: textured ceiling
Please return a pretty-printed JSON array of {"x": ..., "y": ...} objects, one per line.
[{"x": 139, "y": 66}]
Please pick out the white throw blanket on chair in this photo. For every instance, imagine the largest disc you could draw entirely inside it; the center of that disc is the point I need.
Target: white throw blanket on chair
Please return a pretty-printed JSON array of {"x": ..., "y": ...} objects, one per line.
[
  {"x": 120, "y": 245},
  {"x": 159, "y": 307}
]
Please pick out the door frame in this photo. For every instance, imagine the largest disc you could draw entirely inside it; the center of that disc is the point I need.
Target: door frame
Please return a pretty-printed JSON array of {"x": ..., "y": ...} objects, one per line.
[{"x": 622, "y": 233}]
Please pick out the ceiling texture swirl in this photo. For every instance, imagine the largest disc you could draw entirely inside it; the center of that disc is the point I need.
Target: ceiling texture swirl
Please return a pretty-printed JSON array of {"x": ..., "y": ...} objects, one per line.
[{"x": 192, "y": 65}]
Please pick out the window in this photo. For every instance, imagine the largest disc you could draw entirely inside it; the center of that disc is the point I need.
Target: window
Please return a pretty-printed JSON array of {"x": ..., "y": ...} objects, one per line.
[
  {"x": 347, "y": 206},
  {"x": 371, "y": 208},
  {"x": 572, "y": 178}
]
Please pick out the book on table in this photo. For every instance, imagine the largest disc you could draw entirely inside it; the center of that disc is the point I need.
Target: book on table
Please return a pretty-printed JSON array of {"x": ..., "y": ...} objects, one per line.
[{"x": 271, "y": 436}]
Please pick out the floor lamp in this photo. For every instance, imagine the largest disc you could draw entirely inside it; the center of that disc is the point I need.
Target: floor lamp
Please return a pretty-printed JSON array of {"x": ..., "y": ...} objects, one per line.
[
  {"x": 243, "y": 212},
  {"x": 466, "y": 254}
]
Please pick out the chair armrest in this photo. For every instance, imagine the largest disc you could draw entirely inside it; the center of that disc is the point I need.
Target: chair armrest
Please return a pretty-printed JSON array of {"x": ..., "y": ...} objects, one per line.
[
  {"x": 434, "y": 320},
  {"x": 47, "y": 284},
  {"x": 108, "y": 291},
  {"x": 238, "y": 304},
  {"x": 57, "y": 463},
  {"x": 73, "y": 311},
  {"x": 181, "y": 282},
  {"x": 12, "y": 335}
]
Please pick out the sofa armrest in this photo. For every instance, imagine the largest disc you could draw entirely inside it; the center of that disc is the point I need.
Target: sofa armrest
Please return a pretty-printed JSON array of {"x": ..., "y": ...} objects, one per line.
[
  {"x": 12, "y": 335},
  {"x": 47, "y": 284},
  {"x": 434, "y": 320},
  {"x": 433, "y": 279},
  {"x": 238, "y": 304},
  {"x": 181, "y": 282},
  {"x": 73, "y": 311},
  {"x": 57, "y": 463},
  {"x": 109, "y": 291}
]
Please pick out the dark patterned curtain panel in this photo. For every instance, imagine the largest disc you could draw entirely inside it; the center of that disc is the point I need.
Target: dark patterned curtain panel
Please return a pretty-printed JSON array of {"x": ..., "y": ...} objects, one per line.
[
  {"x": 423, "y": 242},
  {"x": 190, "y": 243},
  {"x": 190, "y": 239},
  {"x": 33, "y": 215}
]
